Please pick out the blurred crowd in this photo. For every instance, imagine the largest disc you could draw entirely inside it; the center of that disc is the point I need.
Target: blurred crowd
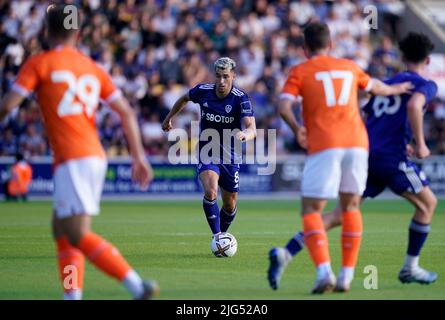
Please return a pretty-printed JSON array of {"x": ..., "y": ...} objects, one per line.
[{"x": 157, "y": 50}]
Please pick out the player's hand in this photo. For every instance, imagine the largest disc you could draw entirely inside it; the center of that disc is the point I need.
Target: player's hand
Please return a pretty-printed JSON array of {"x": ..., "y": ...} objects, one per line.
[
  {"x": 241, "y": 136},
  {"x": 404, "y": 87},
  {"x": 167, "y": 125},
  {"x": 142, "y": 172},
  {"x": 302, "y": 137},
  {"x": 410, "y": 150},
  {"x": 422, "y": 151}
]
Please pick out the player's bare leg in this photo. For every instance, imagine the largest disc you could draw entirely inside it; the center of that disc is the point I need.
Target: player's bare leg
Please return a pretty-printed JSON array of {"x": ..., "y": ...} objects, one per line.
[
  {"x": 352, "y": 227},
  {"x": 76, "y": 227},
  {"x": 229, "y": 209},
  {"x": 317, "y": 243},
  {"x": 425, "y": 203},
  {"x": 104, "y": 255},
  {"x": 332, "y": 219},
  {"x": 209, "y": 181}
]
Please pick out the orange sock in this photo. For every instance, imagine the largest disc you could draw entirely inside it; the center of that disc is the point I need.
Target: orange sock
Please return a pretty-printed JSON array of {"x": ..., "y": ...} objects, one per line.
[
  {"x": 351, "y": 237},
  {"x": 71, "y": 265},
  {"x": 104, "y": 256},
  {"x": 315, "y": 238}
]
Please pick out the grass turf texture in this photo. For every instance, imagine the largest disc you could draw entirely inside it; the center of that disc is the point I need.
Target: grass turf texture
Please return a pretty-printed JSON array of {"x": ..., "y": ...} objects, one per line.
[{"x": 170, "y": 241}]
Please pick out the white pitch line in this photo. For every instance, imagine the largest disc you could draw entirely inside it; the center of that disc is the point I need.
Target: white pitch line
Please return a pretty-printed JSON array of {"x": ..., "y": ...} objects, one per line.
[{"x": 186, "y": 234}]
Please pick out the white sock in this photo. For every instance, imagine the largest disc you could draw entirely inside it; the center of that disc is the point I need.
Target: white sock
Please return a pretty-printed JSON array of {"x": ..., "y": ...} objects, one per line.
[
  {"x": 287, "y": 255},
  {"x": 73, "y": 295},
  {"x": 323, "y": 270},
  {"x": 411, "y": 261},
  {"x": 134, "y": 284},
  {"x": 347, "y": 273}
]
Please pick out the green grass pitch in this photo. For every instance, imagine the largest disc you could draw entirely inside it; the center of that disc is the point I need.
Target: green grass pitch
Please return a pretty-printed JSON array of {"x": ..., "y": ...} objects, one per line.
[{"x": 170, "y": 242}]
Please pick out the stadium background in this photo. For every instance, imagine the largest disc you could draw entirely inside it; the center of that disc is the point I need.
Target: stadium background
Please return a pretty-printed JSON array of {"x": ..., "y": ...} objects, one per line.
[{"x": 156, "y": 50}]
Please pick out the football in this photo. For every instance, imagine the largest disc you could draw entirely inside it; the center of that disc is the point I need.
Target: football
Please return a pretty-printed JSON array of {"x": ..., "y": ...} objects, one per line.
[{"x": 224, "y": 245}]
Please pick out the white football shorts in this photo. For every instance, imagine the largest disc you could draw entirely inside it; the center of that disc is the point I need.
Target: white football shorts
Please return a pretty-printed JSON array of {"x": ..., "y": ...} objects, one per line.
[
  {"x": 78, "y": 185},
  {"x": 328, "y": 172}
]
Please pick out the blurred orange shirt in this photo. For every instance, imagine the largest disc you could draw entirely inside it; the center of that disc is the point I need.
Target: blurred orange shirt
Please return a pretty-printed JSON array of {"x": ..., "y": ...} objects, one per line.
[
  {"x": 329, "y": 88},
  {"x": 21, "y": 176},
  {"x": 68, "y": 85}
]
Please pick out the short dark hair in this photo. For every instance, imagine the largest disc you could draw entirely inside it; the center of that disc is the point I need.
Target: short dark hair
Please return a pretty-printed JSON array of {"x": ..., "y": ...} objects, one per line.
[
  {"x": 19, "y": 157},
  {"x": 416, "y": 47},
  {"x": 317, "y": 36},
  {"x": 55, "y": 21}
]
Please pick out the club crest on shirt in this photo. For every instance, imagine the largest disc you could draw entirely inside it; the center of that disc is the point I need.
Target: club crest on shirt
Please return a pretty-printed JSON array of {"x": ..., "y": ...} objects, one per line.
[{"x": 228, "y": 108}]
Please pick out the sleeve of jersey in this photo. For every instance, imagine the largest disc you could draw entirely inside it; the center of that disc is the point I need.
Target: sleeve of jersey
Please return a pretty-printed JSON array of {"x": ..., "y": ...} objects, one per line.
[
  {"x": 27, "y": 79},
  {"x": 364, "y": 80},
  {"x": 194, "y": 94},
  {"x": 291, "y": 88},
  {"x": 108, "y": 91},
  {"x": 246, "y": 106},
  {"x": 429, "y": 90}
]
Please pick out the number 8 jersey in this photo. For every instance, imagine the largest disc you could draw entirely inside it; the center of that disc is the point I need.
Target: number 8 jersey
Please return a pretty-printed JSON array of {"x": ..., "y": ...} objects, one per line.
[
  {"x": 387, "y": 121},
  {"x": 68, "y": 85},
  {"x": 329, "y": 88}
]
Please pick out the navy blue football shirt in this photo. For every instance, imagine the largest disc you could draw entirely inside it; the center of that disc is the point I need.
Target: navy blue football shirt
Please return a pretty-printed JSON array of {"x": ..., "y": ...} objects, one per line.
[
  {"x": 387, "y": 122},
  {"x": 220, "y": 114}
]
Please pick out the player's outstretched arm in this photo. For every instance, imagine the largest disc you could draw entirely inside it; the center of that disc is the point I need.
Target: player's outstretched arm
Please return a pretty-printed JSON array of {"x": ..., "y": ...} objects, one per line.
[
  {"x": 379, "y": 88},
  {"x": 177, "y": 107},
  {"x": 11, "y": 100},
  {"x": 249, "y": 132},
  {"x": 415, "y": 118},
  {"x": 142, "y": 171}
]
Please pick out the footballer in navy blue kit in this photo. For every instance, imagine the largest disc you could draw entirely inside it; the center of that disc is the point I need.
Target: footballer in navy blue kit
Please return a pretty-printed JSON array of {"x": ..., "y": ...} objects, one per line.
[
  {"x": 221, "y": 114},
  {"x": 389, "y": 133},
  {"x": 224, "y": 110},
  {"x": 392, "y": 123}
]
